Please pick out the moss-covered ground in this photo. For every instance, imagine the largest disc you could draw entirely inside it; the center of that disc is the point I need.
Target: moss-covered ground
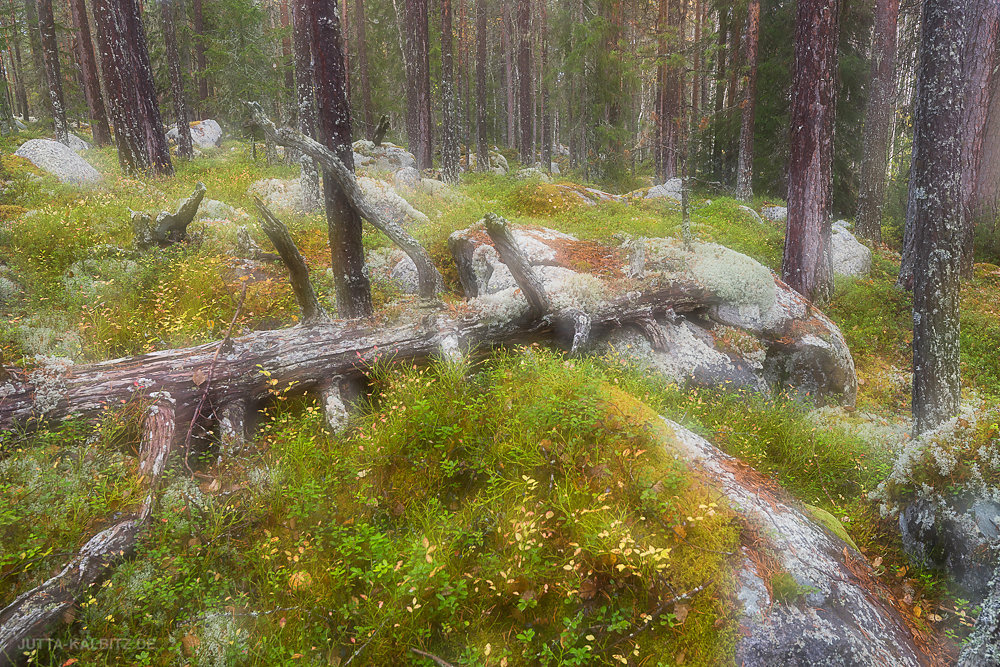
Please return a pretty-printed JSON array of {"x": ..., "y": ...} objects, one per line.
[{"x": 505, "y": 513}]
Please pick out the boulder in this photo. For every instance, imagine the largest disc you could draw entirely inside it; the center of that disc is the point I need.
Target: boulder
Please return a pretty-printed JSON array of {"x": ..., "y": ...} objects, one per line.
[
  {"x": 959, "y": 535},
  {"x": 774, "y": 213},
  {"x": 407, "y": 178},
  {"x": 804, "y": 596},
  {"x": 850, "y": 257},
  {"x": 212, "y": 210},
  {"x": 204, "y": 134},
  {"x": 983, "y": 646},
  {"x": 77, "y": 144},
  {"x": 60, "y": 161},
  {"x": 384, "y": 157},
  {"x": 749, "y": 331},
  {"x": 385, "y": 200},
  {"x": 671, "y": 189}
]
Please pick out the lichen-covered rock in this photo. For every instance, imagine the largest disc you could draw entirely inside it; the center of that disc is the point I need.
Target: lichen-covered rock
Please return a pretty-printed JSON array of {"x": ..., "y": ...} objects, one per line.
[
  {"x": 60, "y": 161},
  {"x": 671, "y": 189},
  {"x": 385, "y": 200},
  {"x": 691, "y": 357},
  {"x": 407, "y": 178},
  {"x": 983, "y": 646},
  {"x": 828, "y": 608},
  {"x": 850, "y": 257},
  {"x": 750, "y": 329},
  {"x": 384, "y": 157},
  {"x": 959, "y": 535},
  {"x": 774, "y": 213},
  {"x": 76, "y": 143},
  {"x": 212, "y": 210},
  {"x": 204, "y": 134}
]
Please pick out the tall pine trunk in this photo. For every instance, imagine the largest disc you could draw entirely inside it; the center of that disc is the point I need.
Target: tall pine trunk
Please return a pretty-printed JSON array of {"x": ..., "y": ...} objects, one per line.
[
  {"x": 744, "y": 168},
  {"x": 806, "y": 265},
  {"x": 720, "y": 91},
  {"x": 184, "y": 147},
  {"x": 20, "y": 90},
  {"x": 525, "y": 113},
  {"x": 977, "y": 77},
  {"x": 419, "y": 120},
  {"x": 35, "y": 45},
  {"x": 145, "y": 90},
  {"x": 938, "y": 216},
  {"x": 362, "y": 49},
  {"x": 198, "y": 27},
  {"x": 878, "y": 119},
  {"x": 506, "y": 39},
  {"x": 482, "y": 144},
  {"x": 50, "y": 54},
  {"x": 88, "y": 73},
  {"x": 544, "y": 83},
  {"x": 353, "y": 291},
  {"x": 305, "y": 100},
  {"x": 449, "y": 105},
  {"x": 986, "y": 203}
]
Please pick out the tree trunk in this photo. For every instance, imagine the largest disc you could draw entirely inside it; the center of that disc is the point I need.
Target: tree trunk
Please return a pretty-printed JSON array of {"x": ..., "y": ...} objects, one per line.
[
  {"x": 305, "y": 101},
  {"x": 543, "y": 81},
  {"x": 806, "y": 265},
  {"x": 7, "y": 126},
  {"x": 184, "y": 147},
  {"x": 88, "y": 73},
  {"x": 977, "y": 73},
  {"x": 144, "y": 90},
  {"x": 198, "y": 27},
  {"x": 449, "y": 105},
  {"x": 986, "y": 204},
  {"x": 119, "y": 82},
  {"x": 362, "y": 48},
  {"x": 509, "y": 87},
  {"x": 419, "y": 119},
  {"x": 287, "y": 59},
  {"x": 19, "y": 86},
  {"x": 720, "y": 92},
  {"x": 35, "y": 43},
  {"x": 50, "y": 53},
  {"x": 343, "y": 222},
  {"x": 744, "y": 169},
  {"x": 524, "y": 84},
  {"x": 482, "y": 149},
  {"x": 878, "y": 118},
  {"x": 938, "y": 225}
]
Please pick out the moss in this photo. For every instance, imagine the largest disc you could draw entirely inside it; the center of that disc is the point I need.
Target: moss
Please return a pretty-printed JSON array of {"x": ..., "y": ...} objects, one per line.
[{"x": 831, "y": 522}]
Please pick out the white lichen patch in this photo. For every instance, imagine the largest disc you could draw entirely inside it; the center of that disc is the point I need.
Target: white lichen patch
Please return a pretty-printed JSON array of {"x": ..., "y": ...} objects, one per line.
[
  {"x": 733, "y": 277},
  {"x": 49, "y": 381}
]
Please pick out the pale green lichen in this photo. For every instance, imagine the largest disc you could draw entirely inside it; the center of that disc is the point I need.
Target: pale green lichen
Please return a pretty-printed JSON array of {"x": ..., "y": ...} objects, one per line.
[{"x": 732, "y": 277}]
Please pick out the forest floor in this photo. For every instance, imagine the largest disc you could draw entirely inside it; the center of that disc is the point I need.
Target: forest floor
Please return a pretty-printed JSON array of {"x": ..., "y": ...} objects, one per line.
[{"x": 468, "y": 512}]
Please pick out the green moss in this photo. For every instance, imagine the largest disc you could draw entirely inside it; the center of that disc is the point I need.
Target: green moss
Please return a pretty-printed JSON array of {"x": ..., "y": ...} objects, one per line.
[{"x": 831, "y": 522}]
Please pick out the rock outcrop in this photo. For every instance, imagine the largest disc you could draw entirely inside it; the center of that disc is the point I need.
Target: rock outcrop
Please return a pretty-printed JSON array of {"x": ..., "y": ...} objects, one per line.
[
  {"x": 671, "y": 189},
  {"x": 77, "y": 144},
  {"x": 750, "y": 330},
  {"x": 60, "y": 161},
  {"x": 384, "y": 157},
  {"x": 774, "y": 213},
  {"x": 805, "y": 597}
]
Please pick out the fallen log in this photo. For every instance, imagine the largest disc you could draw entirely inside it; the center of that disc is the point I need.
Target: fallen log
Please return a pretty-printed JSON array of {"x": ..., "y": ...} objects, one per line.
[{"x": 36, "y": 611}]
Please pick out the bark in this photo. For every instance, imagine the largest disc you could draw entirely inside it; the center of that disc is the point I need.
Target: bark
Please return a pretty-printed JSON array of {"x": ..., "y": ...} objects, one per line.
[
  {"x": 198, "y": 27},
  {"x": 544, "y": 83},
  {"x": 334, "y": 123},
  {"x": 938, "y": 215},
  {"x": 509, "y": 86},
  {"x": 287, "y": 59},
  {"x": 879, "y": 113},
  {"x": 144, "y": 90},
  {"x": 50, "y": 54},
  {"x": 419, "y": 121},
  {"x": 720, "y": 91},
  {"x": 511, "y": 255},
  {"x": 670, "y": 25},
  {"x": 525, "y": 114},
  {"x": 979, "y": 60},
  {"x": 169, "y": 228},
  {"x": 305, "y": 101},
  {"x": 19, "y": 88},
  {"x": 88, "y": 73},
  {"x": 7, "y": 125},
  {"x": 986, "y": 204},
  {"x": 117, "y": 67},
  {"x": 298, "y": 272},
  {"x": 34, "y": 613},
  {"x": 35, "y": 44},
  {"x": 482, "y": 149},
  {"x": 806, "y": 265},
  {"x": 744, "y": 169},
  {"x": 449, "y": 119},
  {"x": 428, "y": 279},
  {"x": 366, "y": 91},
  {"x": 184, "y": 147}
]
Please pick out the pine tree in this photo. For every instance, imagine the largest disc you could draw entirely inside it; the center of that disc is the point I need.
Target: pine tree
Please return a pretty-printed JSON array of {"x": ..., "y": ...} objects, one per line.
[
  {"x": 744, "y": 169},
  {"x": 184, "y": 147},
  {"x": 938, "y": 215},
  {"x": 806, "y": 265},
  {"x": 353, "y": 291},
  {"x": 449, "y": 120},
  {"x": 88, "y": 73},
  {"x": 305, "y": 109},
  {"x": 482, "y": 145},
  {"x": 50, "y": 54},
  {"x": 526, "y": 98}
]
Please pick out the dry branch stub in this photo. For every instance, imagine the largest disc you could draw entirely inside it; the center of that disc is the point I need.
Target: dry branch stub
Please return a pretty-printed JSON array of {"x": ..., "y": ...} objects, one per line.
[{"x": 169, "y": 227}]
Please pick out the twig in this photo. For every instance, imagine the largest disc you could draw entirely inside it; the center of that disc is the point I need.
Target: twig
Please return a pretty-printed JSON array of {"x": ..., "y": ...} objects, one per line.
[
  {"x": 208, "y": 381},
  {"x": 443, "y": 663}
]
